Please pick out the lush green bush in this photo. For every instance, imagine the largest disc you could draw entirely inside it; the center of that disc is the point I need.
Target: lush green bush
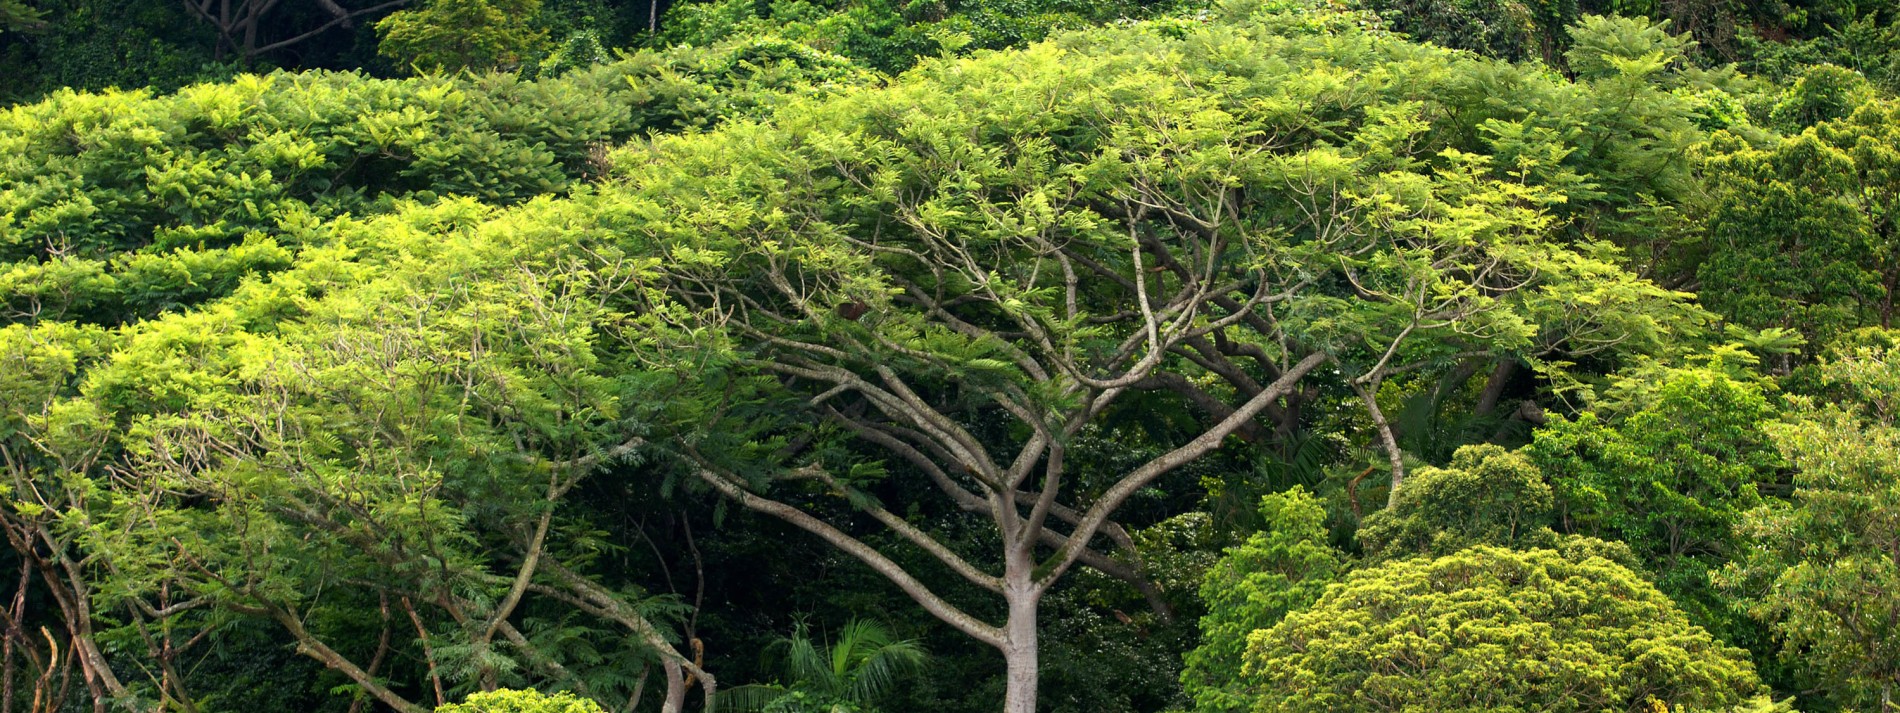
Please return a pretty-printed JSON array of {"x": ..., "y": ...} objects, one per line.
[
  {"x": 1496, "y": 630},
  {"x": 511, "y": 701},
  {"x": 1802, "y": 234},
  {"x": 441, "y": 35},
  {"x": 1283, "y": 568},
  {"x": 1670, "y": 478},
  {"x": 1486, "y": 496}
]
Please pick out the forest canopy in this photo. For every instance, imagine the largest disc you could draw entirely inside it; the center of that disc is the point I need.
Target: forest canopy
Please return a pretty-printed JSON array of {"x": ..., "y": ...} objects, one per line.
[{"x": 575, "y": 356}]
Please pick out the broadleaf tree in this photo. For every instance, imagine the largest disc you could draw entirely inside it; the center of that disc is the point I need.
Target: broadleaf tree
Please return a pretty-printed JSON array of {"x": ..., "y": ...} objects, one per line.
[
  {"x": 1823, "y": 570},
  {"x": 954, "y": 278}
]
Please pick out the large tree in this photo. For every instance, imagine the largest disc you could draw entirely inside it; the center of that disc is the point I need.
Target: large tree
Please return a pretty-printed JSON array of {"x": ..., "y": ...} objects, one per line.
[
  {"x": 1805, "y": 232},
  {"x": 397, "y": 441},
  {"x": 159, "y": 515},
  {"x": 1823, "y": 571},
  {"x": 922, "y": 296}
]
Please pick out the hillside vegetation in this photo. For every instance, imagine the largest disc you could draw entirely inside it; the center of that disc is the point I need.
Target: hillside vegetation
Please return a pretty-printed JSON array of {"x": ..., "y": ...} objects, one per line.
[{"x": 1260, "y": 356}]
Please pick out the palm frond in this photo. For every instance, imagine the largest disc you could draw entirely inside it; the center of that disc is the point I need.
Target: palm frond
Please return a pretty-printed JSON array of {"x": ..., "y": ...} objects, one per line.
[{"x": 749, "y": 698}]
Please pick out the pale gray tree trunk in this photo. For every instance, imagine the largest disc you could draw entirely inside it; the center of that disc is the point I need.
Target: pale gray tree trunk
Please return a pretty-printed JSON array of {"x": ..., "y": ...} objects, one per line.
[
  {"x": 1023, "y": 595},
  {"x": 1021, "y": 655}
]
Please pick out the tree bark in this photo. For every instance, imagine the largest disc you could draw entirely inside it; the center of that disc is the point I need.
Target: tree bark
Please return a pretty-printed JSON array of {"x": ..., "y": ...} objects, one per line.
[
  {"x": 1387, "y": 441},
  {"x": 310, "y": 646},
  {"x": 1021, "y": 656},
  {"x": 1494, "y": 386},
  {"x": 1022, "y": 595}
]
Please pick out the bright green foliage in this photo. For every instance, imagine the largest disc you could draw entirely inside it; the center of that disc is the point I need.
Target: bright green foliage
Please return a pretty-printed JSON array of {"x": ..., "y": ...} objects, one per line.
[
  {"x": 448, "y": 35},
  {"x": 344, "y": 434},
  {"x": 1486, "y": 496},
  {"x": 1490, "y": 629},
  {"x": 288, "y": 359},
  {"x": 1282, "y": 568},
  {"x": 511, "y": 701},
  {"x": 1645, "y": 115},
  {"x": 122, "y": 205},
  {"x": 1671, "y": 479},
  {"x": 848, "y": 676},
  {"x": 1805, "y": 232},
  {"x": 1824, "y": 569},
  {"x": 891, "y": 35},
  {"x": 1338, "y": 180}
]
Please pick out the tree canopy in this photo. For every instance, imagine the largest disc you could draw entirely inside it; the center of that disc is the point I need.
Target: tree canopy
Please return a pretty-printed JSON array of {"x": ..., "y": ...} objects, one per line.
[
  {"x": 1493, "y": 629},
  {"x": 545, "y": 356}
]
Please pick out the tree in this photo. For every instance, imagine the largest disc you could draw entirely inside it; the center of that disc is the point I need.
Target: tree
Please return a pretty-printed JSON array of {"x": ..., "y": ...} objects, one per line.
[
  {"x": 190, "y": 220},
  {"x": 1506, "y": 29},
  {"x": 848, "y": 675},
  {"x": 1487, "y": 495},
  {"x": 1805, "y": 234},
  {"x": 448, "y": 35},
  {"x": 1280, "y": 569},
  {"x": 963, "y": 276},
  {"x": 1493, "y": 629},
  {"x": 1670, "y": 474},
  {"x": 385, "y": 459},
  {"x": 47, "y": 445},
  {"x": 245, "y": 27},
  {"x": 1823, "y": 570}
]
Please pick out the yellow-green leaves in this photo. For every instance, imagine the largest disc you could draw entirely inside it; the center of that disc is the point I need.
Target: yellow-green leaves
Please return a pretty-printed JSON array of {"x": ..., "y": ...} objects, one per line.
[{"x": 1493, "y": 629}]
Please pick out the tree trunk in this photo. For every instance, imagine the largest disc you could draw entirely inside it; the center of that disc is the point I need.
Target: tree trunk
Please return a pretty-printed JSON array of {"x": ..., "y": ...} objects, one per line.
[
  {"x": 1022, "y": 595},
  {"x": 1020, "y": 653},
  {"x": 1495, "y": 384},
  {"x": 675, "y": 686}
]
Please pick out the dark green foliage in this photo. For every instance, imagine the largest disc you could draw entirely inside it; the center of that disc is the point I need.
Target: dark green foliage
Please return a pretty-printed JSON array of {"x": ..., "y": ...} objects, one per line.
[
  {"x": 1508, "y": 29},
  {"x": 18, "y": 16},
  {"x": 1670, "y": 478},
  {"x": 1823, "y": 568},
  {"x": 1495, "y": 630},
  {"x": 95, "y": 44},
  {"x": 1805, "y": 231},
  {"x": 1862, "y": 36},
  {"x": 849, "y": 673}
]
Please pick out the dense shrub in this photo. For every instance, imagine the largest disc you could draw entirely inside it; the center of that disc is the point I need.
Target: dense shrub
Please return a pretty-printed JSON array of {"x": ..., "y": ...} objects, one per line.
[
  {"x": 1496, "y": 630},
  {"x": 1485, "y": 496},
  {"x": 510, "y": 701}
]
